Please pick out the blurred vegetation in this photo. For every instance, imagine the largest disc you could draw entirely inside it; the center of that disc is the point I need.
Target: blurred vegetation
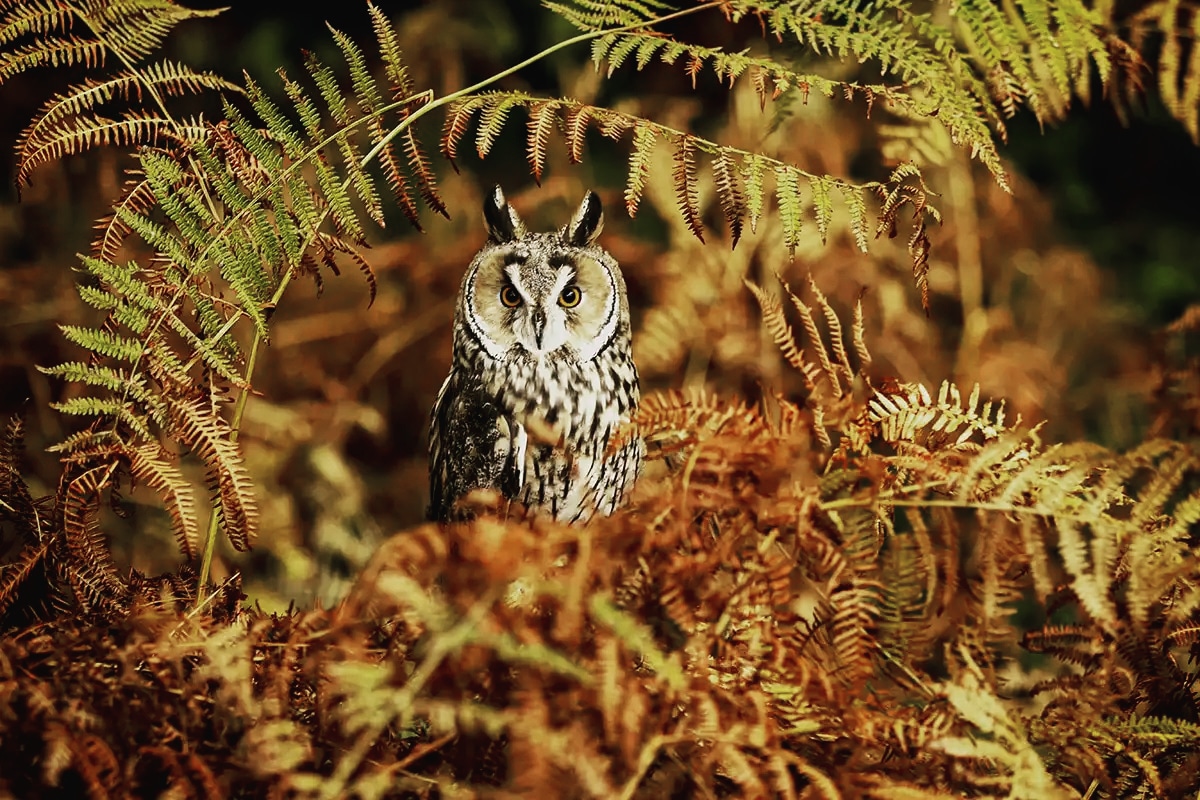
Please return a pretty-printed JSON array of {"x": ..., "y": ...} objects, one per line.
[{"x": 1057, "y": 297}]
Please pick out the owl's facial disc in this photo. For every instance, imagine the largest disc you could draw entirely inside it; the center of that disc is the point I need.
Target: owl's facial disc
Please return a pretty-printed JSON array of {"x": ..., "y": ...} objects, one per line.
[
  {"x": 538, "y": 296},
  {"x": 542, "y": 322}
]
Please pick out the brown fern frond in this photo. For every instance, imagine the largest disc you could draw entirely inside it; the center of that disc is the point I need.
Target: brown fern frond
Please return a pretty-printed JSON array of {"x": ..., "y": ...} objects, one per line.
[
  {"x": 38, "y": 142},
  {"x": 15, "y": 572},
  {"x": 85, "y": 131},
  {"x": 851, "y": 629},
  {"x": 543, "y": 118},
  {"x": 575, "y": 129},
  {"x": 328, "y": 246},
  {"x": 816, "y": 342},
  {"x": 60, "y": 51},
  {"x": 777, "y": 325},
  {"x": 88, "y": 567},
  {"x": 96, "y": 763},
  {"x": 858, "y": 336},
  {"x": 137, "y": 197},
  {"x": 834, "y": 324},
  {"x": 612, "y": 126},
  {"x": 908, "y": 414},
  {"x": 39, "y": 17},
  {"x": 209, "y": 437},
  {"x": 918, "y": 248},
  {"x": 80, "y": 508},
  {"x": 396, "y": 177},
  {"x": 1073, "y": 643},
  {"x": 684, "y": 174},
  {"x": 1178, "y": 82},
  {"x": 458, "y": 119},
  {"x": 146, "y": 463},
  {"x": 15, "y": 501},
  {"x": 673, "y": 420},
  {"x": 422, "y": 170},
  {"x": 729, "y": 192}
]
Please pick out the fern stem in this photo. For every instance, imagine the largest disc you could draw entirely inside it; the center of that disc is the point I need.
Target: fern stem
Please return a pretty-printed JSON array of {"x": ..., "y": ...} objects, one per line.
[{"x": 239, "y": 410}]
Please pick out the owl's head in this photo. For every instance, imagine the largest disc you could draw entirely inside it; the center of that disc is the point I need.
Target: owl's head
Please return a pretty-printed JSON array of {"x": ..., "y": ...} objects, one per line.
[{"x": 543, "y": 294}]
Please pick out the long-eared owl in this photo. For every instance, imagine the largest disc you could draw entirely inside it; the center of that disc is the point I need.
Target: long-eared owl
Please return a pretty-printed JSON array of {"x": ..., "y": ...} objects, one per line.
[{"x": 541, "y": 343}]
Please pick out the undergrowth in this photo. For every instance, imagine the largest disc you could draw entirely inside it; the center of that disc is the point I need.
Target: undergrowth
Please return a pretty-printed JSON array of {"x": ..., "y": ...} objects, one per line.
[{"x": 811, "y": 595}]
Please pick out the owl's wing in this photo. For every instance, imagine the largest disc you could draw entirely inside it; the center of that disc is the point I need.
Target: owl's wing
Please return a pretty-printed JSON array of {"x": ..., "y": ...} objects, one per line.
[{"x": 472, "y": 445}]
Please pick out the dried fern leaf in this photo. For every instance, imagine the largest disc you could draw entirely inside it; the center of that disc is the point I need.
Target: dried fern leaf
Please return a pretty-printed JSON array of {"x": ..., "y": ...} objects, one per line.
[
  {"x": 147, "y": 464},
  {"x": 729, "y": 193},
  {"x": 684, "y": 174}
]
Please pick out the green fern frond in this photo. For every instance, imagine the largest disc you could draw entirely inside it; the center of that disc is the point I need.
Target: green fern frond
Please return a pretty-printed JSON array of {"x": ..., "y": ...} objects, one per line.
[
  {"x": 856, "y": 206},
  {"x": 591, "y": 15},
  {"x": 132, "y": 385},
  {"x": 492, "y": 116},
  {"x": 822, "y": 205},
  {"x": 753, "y": 169},
  {"x": 904, "y": 188},
  {"x": 109, "y": 409},
  {"x": 331, "y": 93},
  {"x": 110, "y": 345},
  {"x": 644, "y": 139},
  {"x": 389, "y": 49},
  {"x": 791, "y": 208},
  {"x": 967, "y": 77}
]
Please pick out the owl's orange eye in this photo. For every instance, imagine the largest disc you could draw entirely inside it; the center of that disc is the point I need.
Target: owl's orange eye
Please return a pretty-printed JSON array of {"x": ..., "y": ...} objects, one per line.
[
  {"x": 510, "y": 297},
  {"x": 570, "y": 296}
]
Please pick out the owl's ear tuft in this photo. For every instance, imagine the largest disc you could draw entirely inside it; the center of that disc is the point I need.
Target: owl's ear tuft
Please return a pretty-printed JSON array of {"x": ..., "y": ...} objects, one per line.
[
  {"x": 585, "y": 226},
  {"x": 503, "y": 223}
]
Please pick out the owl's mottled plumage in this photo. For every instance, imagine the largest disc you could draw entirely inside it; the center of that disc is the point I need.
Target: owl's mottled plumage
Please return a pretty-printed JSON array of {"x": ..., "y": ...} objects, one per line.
[{"x": 541, "y": 334}]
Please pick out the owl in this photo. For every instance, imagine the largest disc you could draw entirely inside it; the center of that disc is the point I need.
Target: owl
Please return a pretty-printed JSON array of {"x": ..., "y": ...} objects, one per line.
[{"x": 543, "y": 374}]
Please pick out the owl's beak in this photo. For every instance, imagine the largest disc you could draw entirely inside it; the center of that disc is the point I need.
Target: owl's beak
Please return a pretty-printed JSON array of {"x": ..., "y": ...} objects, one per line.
[{"x": 538, "y": 318}]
